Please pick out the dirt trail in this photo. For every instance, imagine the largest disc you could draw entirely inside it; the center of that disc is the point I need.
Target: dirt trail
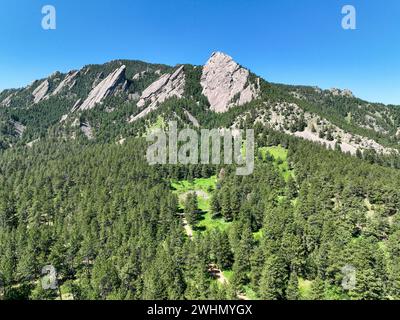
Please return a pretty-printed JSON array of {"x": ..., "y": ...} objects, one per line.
[
  {"x": 219, "y": 275},
  {"x": 214, "y": 271},
  {"x": 199, "y": 193},
  {"x": 187, "y": 227}
]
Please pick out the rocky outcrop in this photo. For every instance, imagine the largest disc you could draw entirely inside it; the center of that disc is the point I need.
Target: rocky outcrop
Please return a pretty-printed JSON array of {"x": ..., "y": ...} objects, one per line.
[
  {"x": 167, "y": 86},
  {"x": 18, "y": 127},
  {"x": 105, "y": 88},
  {"x": 225, "y": 83},
  {"x": 40, "y": 93},
  {"x": 67, "y": 82},
  {"x": 341, "y": 93},
  {"x": 76, "y": 106},
  {"x": 64, "y": 118},
  {"x": 87, "y": 130},
  {"x": 282, "y": 116},
  {"x": 30, "y": 144},
  {"x": 139, "y": 75},
  {"x": 7, "y": 101},
  {"x": 134, "y": 96},
  {"x": 192, "y": 119}
]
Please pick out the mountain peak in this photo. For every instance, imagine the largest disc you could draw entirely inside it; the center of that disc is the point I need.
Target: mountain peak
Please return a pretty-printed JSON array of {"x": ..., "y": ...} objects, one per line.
[
  {"x": 225, "y": 83},
  {"x": 218, "y": 55}
]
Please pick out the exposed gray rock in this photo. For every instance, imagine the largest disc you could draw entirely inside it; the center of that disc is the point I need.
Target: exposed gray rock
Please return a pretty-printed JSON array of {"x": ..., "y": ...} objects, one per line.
[
  {"x": 105, "y": 88},
  {"x": 167, "y": 86},
  {"x": 87, "y": 130},
  {"x": 19, "y": 127},
  {"x": 68, "y": 81},
  {"x": 139, "y": 75},
  {"x": 121, "y": 141},
  {"x": 76, "y": 106},
  {"x": 344, "y": 93},
  {"x": 134, "y": 96},
  {"x": 281, "y": 116},
  {"x": 225, "y": 83},
  {"x": 64, "y": 118},
  {"x": 7, "y": 101},
  {"x": 192, "y": 119},
  {"x": 76, "y": 123},
  {"x": 30, "y": 144},
  {"x": 40, "y": 92}
]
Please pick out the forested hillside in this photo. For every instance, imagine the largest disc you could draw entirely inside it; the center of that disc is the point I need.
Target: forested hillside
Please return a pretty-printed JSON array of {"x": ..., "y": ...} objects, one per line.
[
  {"x": 78, "y": 194},
  {"x": 110, "y": 225}
]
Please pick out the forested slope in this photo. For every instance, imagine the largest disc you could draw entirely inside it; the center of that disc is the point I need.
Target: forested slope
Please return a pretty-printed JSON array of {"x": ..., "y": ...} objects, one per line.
[{"x": 109, "y": 224}]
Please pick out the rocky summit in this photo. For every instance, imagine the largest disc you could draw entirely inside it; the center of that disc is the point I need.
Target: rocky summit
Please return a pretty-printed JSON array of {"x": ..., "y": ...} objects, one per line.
[{"x": 225, "y": 83}]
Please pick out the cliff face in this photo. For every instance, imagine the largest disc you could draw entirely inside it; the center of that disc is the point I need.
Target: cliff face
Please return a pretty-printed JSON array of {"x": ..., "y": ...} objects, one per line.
[
  {"x": 105, "y": 88},
  {"x": 225, "y": 83},
  {"x": 68, "y": 82},
  {"x": 40, "y": 93},
  {"x": 167, "y": 86}
]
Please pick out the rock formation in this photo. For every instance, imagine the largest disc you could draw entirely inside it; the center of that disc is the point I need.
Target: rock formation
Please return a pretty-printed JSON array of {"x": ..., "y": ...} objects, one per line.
[
  {"x": 105, "y": 88},
  {"x": 192, "y": 119},
  {"x": 76, "y": 106},
  {"x": 7, "y": 101},
  {"x": 281, "y": 116},
  {"x": 87, "y": 130},
  {"x": 344, "y": 93},
  {"x": 18, "y": 127},
  {"x": 225, "y": 83},
  {"x": 68, "y": 81},
  {"x": 40, "y": 92},
  {"x": 167, "y": 86}
]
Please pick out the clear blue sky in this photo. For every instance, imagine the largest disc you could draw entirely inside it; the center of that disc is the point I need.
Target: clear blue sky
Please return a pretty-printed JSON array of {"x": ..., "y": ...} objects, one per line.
[{"x": 286, "y": 41}]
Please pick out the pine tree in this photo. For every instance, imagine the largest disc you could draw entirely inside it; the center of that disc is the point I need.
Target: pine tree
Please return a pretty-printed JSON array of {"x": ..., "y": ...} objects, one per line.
[
  {"x": 273, "y": 281},
  {"x": 317, "y": 289},
  {"x": 191, "y": 208},
  {"x": 292, "y": 291}
]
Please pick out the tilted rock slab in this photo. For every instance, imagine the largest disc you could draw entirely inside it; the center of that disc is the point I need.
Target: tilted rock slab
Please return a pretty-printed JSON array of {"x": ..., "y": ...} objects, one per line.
[
  {"x": 40, "y": 92},
  {"x": 223, "y": 80},
  {"x": 104, "y": 89},
  {"x": 18, "y": 127},
  {"x": 68, "y": 81},
  {"x": 192, "y": 119},
  {"x": 7, "y": 101},
  {"x": 167, "y": 86}
]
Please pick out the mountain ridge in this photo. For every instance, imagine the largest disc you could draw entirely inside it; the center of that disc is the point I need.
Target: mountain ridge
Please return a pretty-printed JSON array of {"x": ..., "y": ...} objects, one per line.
[{"x": 332, "y": 117}]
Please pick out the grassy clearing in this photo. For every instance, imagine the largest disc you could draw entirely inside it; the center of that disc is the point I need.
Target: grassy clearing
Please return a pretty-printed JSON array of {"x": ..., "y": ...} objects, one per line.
[
  {"x": 258, "y": 235},
  {"x": 280, "y": 155},
  {"x": 228, "y": 274},
  {"x": 203, "y": 186},
  {"x": 305, "y": 288},
  {"x": 208, "y": 223},
  {"x": 159, "y": 124},
  {"x": 250, "y": 294}
]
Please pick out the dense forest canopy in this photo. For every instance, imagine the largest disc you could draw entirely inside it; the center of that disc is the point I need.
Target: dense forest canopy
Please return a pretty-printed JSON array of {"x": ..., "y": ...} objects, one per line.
[{"x": 109, "y": 223}]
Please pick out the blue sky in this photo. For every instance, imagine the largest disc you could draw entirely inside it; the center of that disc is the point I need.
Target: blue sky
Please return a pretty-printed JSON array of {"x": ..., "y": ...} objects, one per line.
[{"x": 286, "y": 41}]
